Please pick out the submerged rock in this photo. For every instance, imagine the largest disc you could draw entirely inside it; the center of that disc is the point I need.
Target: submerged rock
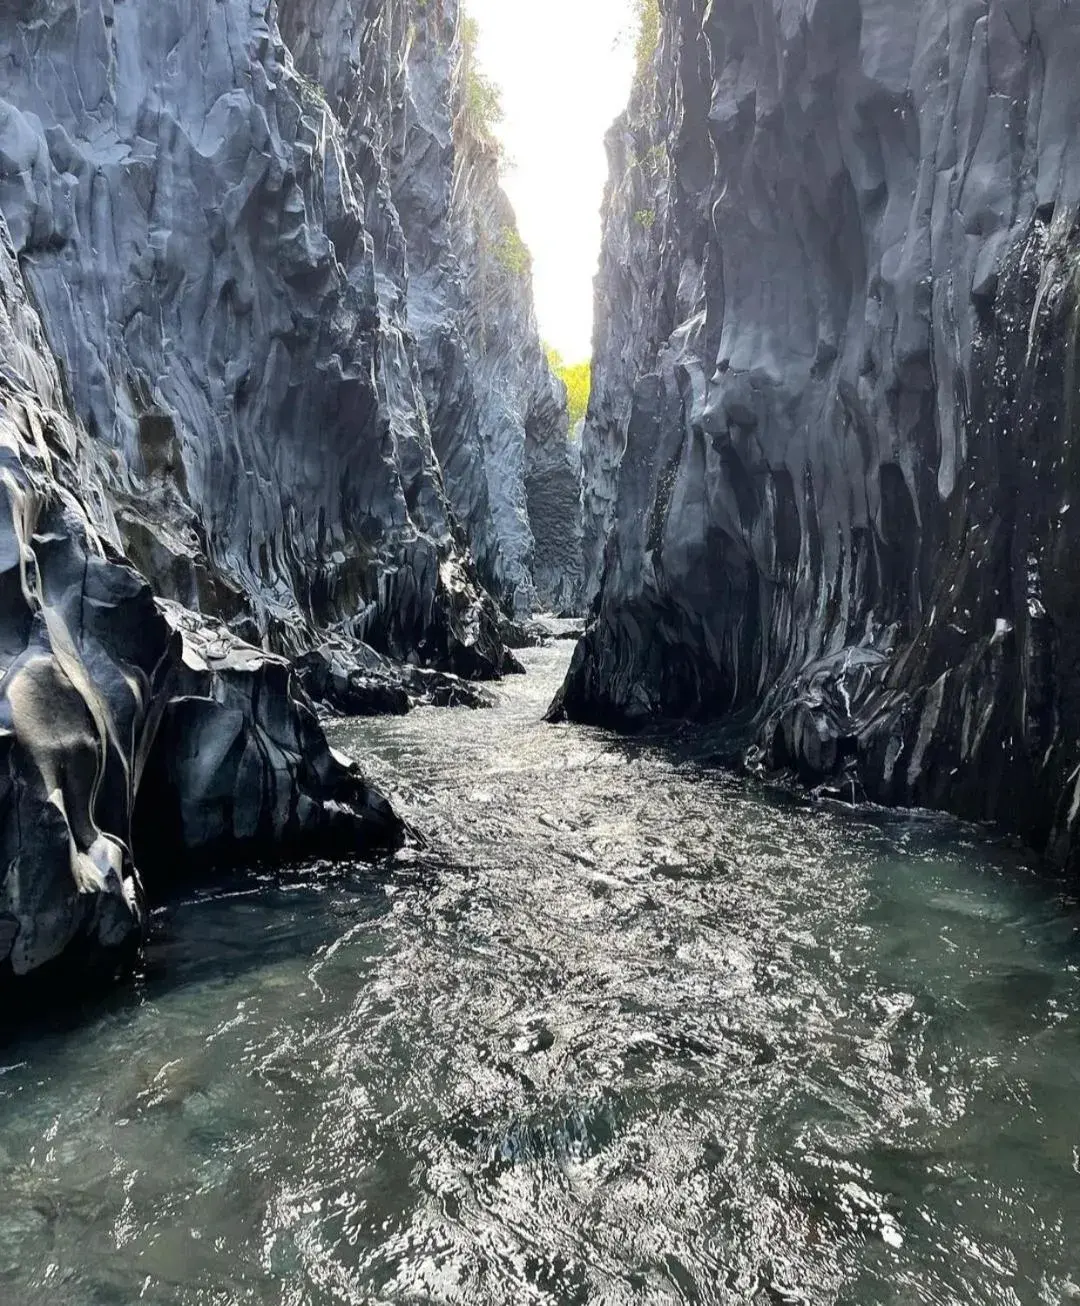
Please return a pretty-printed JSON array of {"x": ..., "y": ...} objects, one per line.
[{"x": 830, "y": 455}]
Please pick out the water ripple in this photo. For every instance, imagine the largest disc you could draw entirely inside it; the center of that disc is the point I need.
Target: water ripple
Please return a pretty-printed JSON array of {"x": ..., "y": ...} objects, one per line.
[{"x": 627, "y": 1031}]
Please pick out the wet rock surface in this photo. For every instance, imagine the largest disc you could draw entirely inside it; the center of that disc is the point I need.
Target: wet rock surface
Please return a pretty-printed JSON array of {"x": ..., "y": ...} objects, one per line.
[
  {"x": 240, "y": 768},
  {"x": 137, "y": 735},
  {"x": 830, "y": 460},
  {"x": 270, "y": 423}
]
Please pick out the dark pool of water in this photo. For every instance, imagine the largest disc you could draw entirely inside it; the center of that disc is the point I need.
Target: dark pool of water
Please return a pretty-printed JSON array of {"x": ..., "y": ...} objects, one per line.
[{"x": 629, "y": 1031}]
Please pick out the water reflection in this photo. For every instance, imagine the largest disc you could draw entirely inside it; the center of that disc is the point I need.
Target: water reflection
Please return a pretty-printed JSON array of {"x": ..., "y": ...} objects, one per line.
[{"x": 630, "y": 1030}]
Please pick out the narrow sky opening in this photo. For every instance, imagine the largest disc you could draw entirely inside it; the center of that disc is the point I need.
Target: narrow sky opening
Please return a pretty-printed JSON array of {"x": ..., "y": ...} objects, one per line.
[{"x": 564, "y": 68}]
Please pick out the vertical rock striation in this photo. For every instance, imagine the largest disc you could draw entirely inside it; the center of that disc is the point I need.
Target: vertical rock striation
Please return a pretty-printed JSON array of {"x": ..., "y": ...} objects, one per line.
[
  {"x": 498, "y": 415},
  {"x": 263, "y": 406},
  {"x": 237, "y": 220},
  {"x": 129, "y": 729},
  {"x": 831, "y": 457}
]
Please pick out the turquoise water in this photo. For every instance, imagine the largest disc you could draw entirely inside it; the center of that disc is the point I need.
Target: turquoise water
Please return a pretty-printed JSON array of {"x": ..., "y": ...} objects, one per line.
[{"x": 628, "y": 1031}]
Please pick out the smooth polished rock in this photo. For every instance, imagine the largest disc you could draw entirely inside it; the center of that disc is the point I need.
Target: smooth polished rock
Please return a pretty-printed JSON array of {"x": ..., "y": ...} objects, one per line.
[
  {"x": 830, "y": 471},
  {"x": 136, "y": 734},
  {"x": 240, "y": 769}
]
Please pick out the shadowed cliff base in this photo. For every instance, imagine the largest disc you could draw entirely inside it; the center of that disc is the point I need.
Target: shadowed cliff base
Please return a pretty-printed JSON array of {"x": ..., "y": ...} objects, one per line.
[{"x": 830, "y": 458}]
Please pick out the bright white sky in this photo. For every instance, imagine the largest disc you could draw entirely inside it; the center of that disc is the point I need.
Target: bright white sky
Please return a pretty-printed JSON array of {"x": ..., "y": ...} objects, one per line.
[{"x": 564, "y": 68}]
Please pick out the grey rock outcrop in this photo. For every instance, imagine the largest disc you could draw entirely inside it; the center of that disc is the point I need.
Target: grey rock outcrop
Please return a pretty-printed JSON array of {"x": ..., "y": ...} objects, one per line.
[
  {"x": 134, "y": 734},
  {"x": 221, "y": 209},
  {"x": 553, "y": 491},
  {"x": 270, "y": 435},
  {"x": 831, "y": 456}
]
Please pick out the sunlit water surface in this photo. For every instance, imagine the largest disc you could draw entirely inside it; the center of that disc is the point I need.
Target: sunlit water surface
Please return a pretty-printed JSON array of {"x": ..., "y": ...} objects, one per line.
[{"x": 629, "y": 1031}]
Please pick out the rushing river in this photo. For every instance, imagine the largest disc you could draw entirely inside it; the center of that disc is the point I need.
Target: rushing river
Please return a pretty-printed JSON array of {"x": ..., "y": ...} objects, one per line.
[{"x": 628, "y": 1031}]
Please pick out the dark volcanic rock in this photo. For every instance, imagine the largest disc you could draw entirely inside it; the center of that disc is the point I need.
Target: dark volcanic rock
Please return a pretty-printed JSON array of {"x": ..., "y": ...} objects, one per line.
[
  {"x": 126, "y": 724},
  {"x": 234, "y": 255},
  {"x": 553, "y": 491},
  {"x": 498, "y": 415},
  {"x": 271, "y": 266},
  {"x": 354, "y": 680},
  {"x": 831, "y": 468},
  {"x": 240, "y": 768}
]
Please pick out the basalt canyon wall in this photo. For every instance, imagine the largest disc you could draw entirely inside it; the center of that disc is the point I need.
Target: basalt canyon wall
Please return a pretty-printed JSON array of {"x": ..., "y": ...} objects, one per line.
[
  {"x": 129, "y": 728},
  {"x": 235, "y": 218},
  {"x": 832, "y": 457},
  {"x": 270, "y": 430},
  {"x": 498, "y": 415}
]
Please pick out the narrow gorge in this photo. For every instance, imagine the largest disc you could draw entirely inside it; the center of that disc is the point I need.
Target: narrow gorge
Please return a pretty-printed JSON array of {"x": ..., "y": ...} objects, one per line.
[
  {"x": 488, "y": 826},
  {"x": 270, "y": 361}
]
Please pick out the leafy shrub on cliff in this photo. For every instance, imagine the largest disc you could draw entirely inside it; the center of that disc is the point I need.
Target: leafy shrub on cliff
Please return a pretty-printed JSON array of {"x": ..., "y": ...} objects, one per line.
[
  {"x": 577, "y": 377},
  {"x": 481, "y": 102},
  {"x": 512, "y": 252},
  {"x": 648, "y": 36},
  {"x": 652, "y": 163}
]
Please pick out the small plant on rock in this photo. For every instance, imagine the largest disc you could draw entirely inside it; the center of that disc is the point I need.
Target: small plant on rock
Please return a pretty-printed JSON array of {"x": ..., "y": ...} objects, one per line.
[{"x": 577, "y": 377}]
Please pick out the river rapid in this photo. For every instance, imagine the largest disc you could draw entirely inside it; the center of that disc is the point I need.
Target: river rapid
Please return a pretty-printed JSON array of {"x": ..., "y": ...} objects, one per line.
[{"x": 629, "y": 1030}]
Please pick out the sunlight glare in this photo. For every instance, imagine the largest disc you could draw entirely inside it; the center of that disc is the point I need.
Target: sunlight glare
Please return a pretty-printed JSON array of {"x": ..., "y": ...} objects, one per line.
[{"x": 564, "y": 68}]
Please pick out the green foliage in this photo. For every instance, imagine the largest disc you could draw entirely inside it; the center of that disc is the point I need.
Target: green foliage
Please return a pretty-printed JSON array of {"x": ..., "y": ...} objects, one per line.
[
  {"x": 311, "y": 92},
  {"x": 577, "y": 377},
  {"x": 652, "y": 164},
  {"x": 481, "y": 102},
  {"x": 512, "y": 252},
  {"x": 655, "y": 158},
  {"x": 648, "y": 35},
  {"x": 645, "y": 218}
]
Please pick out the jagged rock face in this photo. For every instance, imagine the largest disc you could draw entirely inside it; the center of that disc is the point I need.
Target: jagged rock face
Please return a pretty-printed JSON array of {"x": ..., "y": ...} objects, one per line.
[
  {"x": 212, "y": 235},
  {"x": 831, "y": 455},
  {"x": 498, "y": 415},
  {"x": 218, "y": 238},
  {"x": 553, "y": 490},
  {"x": 126, "y": 726},
  {"x": 631, "y": 319},
  {"x": 70, "y": 636}
]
